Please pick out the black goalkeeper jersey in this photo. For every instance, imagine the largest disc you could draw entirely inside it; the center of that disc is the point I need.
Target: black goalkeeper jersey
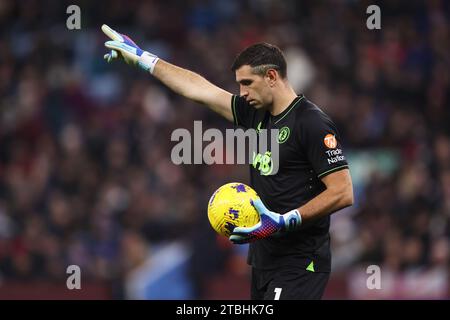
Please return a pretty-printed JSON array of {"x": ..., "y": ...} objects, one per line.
[{"x": 309, "y": 149}]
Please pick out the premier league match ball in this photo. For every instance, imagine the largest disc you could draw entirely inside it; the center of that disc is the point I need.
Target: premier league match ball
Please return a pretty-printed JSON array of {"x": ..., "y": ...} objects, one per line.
[{"x": 230, "y": 207}]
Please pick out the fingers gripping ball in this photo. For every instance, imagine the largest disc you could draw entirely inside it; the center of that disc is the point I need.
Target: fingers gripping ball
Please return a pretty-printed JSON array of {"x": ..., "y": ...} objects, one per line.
[{"x": 230, "y": 206}]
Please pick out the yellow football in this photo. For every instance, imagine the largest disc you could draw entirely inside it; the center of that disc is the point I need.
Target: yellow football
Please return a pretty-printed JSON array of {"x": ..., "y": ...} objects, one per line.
[{"x": 230, "y": 207}]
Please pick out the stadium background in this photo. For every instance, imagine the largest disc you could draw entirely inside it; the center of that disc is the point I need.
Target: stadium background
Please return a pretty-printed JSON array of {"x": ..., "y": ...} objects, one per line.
[{"x": 85, "y": 170}]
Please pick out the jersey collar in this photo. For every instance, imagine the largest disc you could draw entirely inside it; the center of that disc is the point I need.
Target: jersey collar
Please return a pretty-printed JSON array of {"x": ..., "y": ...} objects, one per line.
[{"x": 292, "y": 105}]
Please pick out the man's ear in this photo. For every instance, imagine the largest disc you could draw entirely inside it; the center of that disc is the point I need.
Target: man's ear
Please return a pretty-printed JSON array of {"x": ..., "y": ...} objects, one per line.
[{"x": 272, "y": 77}]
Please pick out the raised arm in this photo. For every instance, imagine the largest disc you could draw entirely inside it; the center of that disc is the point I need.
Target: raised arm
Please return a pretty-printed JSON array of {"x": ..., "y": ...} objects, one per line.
[
  {"x": 193, "y": 86},
  {"x": 182, "y": 81}
]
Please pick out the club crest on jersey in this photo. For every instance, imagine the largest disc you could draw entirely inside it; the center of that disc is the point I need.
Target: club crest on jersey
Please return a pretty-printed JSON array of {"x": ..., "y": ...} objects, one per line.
[
  {"x": 330, "y": 141},
  {"x": 283, "y": 135}
]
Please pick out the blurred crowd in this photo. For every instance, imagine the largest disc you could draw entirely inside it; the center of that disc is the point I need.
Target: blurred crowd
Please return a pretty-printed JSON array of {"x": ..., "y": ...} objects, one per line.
[{"x": 86, "y": 176}]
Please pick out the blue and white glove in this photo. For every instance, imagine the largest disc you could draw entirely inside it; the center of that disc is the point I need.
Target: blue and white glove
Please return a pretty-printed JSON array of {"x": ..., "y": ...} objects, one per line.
[
  {"x": 122, "y": 45},
  {"x": 270, "y": 223}
]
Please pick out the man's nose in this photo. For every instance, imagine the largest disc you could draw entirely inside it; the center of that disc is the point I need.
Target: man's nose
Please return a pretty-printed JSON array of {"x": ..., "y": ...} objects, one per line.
[{"x": 243, "y": 91}]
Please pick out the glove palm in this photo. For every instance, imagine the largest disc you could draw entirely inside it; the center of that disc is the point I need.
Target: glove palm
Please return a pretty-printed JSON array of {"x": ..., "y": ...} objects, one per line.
[
  {"x": 122, "y": 46},
  {"x": 270, "y": 223}
]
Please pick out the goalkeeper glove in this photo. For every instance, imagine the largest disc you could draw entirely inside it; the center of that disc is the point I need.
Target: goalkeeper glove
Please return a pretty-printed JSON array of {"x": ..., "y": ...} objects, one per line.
[
  {"x": 270, "y": 223},
  {"x": 122, "y": 45}
]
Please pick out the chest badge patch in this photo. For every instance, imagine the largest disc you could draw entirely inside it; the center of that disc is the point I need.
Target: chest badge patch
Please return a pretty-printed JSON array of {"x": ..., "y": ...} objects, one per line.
[{"x": 283, "y": 135}]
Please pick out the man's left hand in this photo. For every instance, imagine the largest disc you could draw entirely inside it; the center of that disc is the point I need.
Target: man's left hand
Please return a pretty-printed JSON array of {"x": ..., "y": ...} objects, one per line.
[{"x": 270, "y": 223}]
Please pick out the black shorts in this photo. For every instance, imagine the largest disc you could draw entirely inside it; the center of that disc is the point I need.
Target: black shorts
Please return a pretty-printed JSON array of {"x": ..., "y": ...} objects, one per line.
[{"x": 288, "y": 283}]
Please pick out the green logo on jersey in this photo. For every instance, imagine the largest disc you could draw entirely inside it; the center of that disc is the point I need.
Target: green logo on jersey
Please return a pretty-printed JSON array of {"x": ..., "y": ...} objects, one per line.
[
  {"x": 258, "y": 128},
  {"x": 263, "y": 163},
  {"x": 311, "y": 267},
  {"x": 283, "y": 134}
]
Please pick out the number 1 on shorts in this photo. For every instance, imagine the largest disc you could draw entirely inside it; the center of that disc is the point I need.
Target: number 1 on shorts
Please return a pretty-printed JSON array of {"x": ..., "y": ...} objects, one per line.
[{"x": 277, "y": 293}]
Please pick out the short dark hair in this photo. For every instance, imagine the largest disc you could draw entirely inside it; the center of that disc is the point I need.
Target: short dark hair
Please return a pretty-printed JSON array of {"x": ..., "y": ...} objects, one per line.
[{"x": 261, "y": 57}]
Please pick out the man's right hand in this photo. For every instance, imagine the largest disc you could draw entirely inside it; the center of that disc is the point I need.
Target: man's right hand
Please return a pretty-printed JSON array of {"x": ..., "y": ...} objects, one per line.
[{"x": 122, "y": 46}]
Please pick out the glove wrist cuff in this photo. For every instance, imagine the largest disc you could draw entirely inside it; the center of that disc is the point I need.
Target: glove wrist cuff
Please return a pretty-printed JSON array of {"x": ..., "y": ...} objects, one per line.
[
  {"x": 147, "y": 61},
  {"x": 292, "y": 220}
]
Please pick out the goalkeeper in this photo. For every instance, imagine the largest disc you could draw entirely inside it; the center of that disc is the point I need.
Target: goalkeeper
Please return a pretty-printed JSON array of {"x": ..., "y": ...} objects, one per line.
[{"x": 290, "y": 247}]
